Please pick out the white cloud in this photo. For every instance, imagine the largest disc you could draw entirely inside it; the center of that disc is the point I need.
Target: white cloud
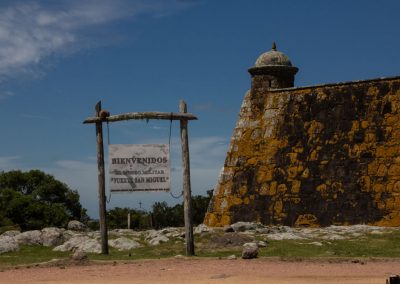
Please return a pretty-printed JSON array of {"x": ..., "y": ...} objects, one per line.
[{"x": 31, "y": 31}]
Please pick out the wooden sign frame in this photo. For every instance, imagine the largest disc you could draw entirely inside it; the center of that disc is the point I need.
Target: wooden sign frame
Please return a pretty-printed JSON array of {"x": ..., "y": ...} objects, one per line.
[{"x": 183, "y": 117}]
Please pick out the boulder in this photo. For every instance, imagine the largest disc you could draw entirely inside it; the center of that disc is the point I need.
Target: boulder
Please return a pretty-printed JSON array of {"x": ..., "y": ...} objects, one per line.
[
  {"x": 12, "y": 233},
  {"x": 123, "y": 243},
  {"x": 158, "y": 240},
  {"x": 80, "y": 243},
  {"x": 202, "y": 229},
  {"x": 8, "y": 244},
  {"x": 250, "y": 250},
  {"x": 29, "y": 238},
  {"x": 52, "y": 237},
  {"x": 244, "y": 226},
  {"x": 76, "y": 226}
]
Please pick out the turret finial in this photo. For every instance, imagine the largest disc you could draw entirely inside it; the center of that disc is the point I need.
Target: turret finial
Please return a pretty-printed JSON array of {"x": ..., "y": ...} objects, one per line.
[{"x": 273, "y": 45}]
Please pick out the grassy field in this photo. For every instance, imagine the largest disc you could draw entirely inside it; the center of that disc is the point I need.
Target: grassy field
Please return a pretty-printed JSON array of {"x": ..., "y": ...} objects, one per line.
[{"x": 367, "y": 246}]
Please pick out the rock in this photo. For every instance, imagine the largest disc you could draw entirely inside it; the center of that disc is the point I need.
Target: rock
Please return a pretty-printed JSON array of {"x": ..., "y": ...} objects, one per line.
[
  {"x": 151, "y": 234},
  {"x": 158, "y": 240},
  {"x": 179, "y": 256},
  {"x": 244, "y": 226},
  {"x": 81, "y": 243},
  {"x": 228, "y": 229},
  {"x": 316, "y": 244},
  {"x": 202, "y": 229},
  {"x": 250, "y": 250},
  {"x": 29, "y": 238},
  {"x": 12, "y": 233},
  {"x": 261, "y": 244},
  {"x": 76, "y": 226},
  {"x": 123, "y": 243},
  {"x": 8, "y": 244},
  {"x": 52, "y": 237},
  {"x": 231, "y": 257},
  {"x": 79, "y": 256}
]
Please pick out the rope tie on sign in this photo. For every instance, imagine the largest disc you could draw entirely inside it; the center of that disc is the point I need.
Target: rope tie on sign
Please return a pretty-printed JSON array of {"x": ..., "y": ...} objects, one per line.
[
  {"x": 169, "y": 144},
  {"x": 108, "y": 142},
  {"x": 108, "y": 133}
]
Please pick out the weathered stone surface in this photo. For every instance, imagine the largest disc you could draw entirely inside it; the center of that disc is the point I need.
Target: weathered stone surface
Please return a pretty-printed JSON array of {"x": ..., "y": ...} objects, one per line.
[
  {"x": 80, "y": 243},
  {"x": 8, "y": 244},
  {"x": 76, "y": 226},
  {"x": 201, "y": 229},
  {"x": 123, "y": 243},
  {"x": 11, "y": 233},
  {"x": 328, "y": 155},
  {"x": 29, "y": 238},
  {"x": 52, "y": 237},
  {"x": 158, "y": 240},
  {"x": 244, "y": 226},
  {"x": 250, "y": 250}
]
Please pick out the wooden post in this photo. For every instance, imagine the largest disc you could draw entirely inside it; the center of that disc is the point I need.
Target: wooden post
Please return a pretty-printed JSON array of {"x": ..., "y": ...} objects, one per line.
[
  {"x": 187, "y": 198},
  {"x": 101, "y": 179},
  {"x": 129, "y": 221}
]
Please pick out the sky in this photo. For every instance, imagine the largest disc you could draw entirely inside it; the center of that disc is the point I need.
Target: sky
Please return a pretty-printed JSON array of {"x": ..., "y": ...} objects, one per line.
[{"x": 59, "y": 58}]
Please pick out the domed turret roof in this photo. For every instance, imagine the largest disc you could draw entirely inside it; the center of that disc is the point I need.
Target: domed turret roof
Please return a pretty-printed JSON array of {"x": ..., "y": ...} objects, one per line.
[{"x": 273, "y": 58}]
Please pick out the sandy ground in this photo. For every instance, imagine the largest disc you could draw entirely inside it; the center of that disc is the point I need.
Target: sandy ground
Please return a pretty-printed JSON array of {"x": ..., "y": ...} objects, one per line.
[{"x": 209, "y": 271}]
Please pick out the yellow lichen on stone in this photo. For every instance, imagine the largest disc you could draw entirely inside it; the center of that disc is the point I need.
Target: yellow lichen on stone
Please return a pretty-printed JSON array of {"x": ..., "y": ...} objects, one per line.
[
  {"x": 307, "y": 220},
  {"x": 225, "y": 220},
  {"x": 322, "y": 189},
  {"x": 252, "y": 161},
  {"x": 306, "y": 173},
  {"x": 295, "y": 186},
  {"x": 278, "y": 206},
  {"x": 282, "y": 188},
  {"x": 364, "y": 124},
  {"x": 292, "y": 172},
  {"x": 264, "y": 174},
  {"x": 382, "y": 171},
  {"x": 210, "y": 219},
  {"x": 314, "y": 155},
  {"x": 243, "y": 190},
  {"x": 355, "y": 125},
  {"x": 378, "y": 187}
]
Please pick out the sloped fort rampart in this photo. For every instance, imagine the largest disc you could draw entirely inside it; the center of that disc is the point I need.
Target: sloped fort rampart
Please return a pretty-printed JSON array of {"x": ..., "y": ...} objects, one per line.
[{"x": 311, "y": 156}]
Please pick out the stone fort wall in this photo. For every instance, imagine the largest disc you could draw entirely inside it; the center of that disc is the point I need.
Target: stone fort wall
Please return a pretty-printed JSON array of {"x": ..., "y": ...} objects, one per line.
[{"x": 313, "y": 156}]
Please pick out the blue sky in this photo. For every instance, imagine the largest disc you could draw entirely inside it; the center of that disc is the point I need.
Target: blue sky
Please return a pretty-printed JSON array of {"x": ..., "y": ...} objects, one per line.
[{"x": 58, "y": 58}]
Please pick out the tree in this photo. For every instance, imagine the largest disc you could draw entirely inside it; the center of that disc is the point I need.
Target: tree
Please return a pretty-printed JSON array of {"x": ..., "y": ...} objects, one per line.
[{"x": 34, "y": 200}]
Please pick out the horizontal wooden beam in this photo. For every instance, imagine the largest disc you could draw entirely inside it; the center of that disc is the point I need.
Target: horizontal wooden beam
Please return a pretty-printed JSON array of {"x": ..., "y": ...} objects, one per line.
[{"x": 142, "y": 115}]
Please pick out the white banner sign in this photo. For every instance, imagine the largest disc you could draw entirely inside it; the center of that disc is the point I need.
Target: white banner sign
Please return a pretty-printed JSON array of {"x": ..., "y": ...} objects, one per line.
[{"x": 139, "y": 167}]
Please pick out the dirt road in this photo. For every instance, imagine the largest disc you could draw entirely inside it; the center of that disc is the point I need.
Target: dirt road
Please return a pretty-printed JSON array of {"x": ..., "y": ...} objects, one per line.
[{"x": 209, "y": 271}]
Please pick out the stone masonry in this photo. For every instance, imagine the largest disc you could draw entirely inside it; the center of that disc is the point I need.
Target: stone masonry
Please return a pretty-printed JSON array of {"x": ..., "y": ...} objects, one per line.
[{"x": 311, "y": 156}]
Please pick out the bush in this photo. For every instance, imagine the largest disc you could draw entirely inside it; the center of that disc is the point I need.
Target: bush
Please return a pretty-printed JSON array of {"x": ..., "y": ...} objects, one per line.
[{"x": 34, "y": 200}]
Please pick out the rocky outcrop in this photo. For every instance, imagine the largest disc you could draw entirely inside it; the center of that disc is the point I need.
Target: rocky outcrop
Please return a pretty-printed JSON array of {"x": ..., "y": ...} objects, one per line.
[
  {"x": 215, "y": 238},
  {"x": 80, "y": 243},
  {"x": 76, "y": 226},
  {"x": 8, "y": 244},
  {"x": 124, "y": 243}
]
